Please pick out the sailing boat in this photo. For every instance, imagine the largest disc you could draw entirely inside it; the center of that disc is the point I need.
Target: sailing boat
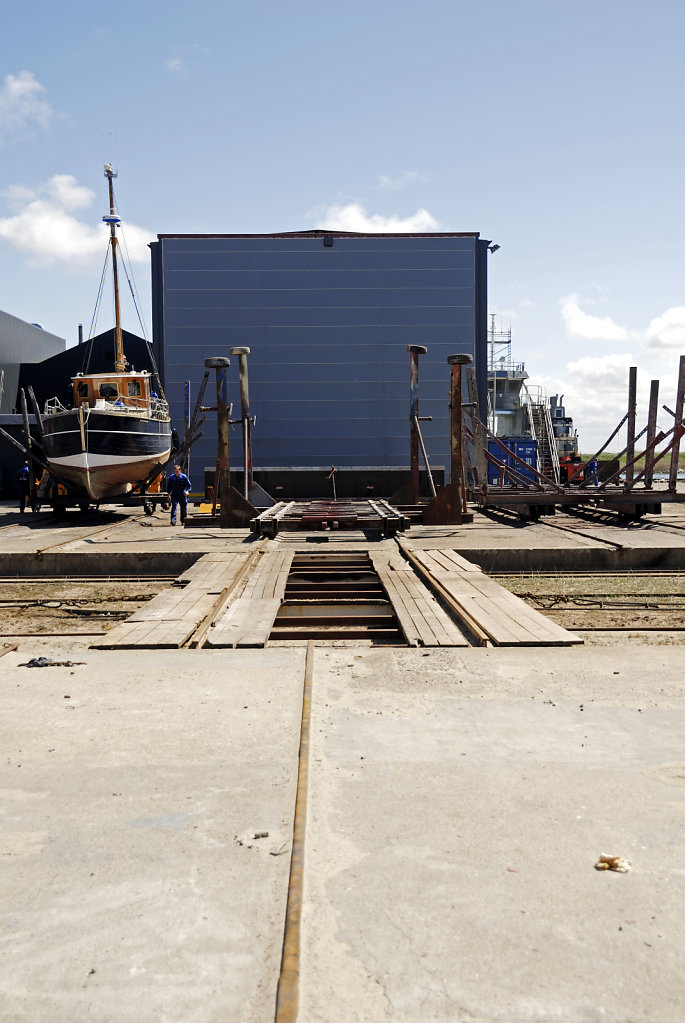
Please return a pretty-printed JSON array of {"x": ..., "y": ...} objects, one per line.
[{"x": 117, "y": 429}]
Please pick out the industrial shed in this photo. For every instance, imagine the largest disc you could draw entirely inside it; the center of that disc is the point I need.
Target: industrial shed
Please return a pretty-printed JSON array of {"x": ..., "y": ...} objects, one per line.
[
  {"x": 328, "y": 316},
  {"x": 22, "y": 342}
]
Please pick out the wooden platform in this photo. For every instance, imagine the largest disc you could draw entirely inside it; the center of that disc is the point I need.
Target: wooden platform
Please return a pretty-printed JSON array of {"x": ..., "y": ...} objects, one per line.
[
  {"x": 248, "y": 621},
  {"x": 491, "y": 613},
  {"x": 422, "y": 620},
  {"x": 171, "y": 618}
]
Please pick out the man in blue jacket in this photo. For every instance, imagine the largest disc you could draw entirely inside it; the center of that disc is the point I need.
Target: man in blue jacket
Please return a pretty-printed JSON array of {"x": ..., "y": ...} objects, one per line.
[
  {"x": 178, "y": 485},
  {"x": 24, "y": 486}
]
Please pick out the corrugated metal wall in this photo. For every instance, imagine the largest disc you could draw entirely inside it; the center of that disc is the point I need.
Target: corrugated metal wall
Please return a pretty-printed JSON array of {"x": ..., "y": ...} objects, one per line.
[
  {"x": 328, "y": 326},
  {"x": 22, "y": 342}
]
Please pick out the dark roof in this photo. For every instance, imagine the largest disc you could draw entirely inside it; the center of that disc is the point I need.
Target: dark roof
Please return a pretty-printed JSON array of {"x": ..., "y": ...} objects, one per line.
[{"x": 320, "y": 232}]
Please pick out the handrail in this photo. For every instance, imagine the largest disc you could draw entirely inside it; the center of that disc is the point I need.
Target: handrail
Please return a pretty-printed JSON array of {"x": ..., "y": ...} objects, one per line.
[
  {"x": 157, "y": 407},
  {"x": 551, "y": 444}
]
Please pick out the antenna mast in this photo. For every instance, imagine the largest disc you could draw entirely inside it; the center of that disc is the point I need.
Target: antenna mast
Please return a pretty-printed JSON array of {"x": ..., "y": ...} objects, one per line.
[{"x": 113, "y": 220}]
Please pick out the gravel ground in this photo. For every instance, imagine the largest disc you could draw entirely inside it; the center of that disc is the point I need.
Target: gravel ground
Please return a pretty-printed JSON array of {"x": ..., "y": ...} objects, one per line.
[
  {"x": 70, "y": 607},
  {"x": 603, "y": 601}
]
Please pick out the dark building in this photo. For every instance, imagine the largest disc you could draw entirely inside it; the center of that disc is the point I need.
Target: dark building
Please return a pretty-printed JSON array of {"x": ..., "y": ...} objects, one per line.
[
  {"x": 51, "y": 378},
  {"x": 328, "y": 316}
]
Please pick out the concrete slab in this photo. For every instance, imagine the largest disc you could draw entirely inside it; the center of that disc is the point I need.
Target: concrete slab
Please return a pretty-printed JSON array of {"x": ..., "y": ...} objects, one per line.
[
  {"x": 566, "y": 542},
  {"x": 133, "y": 887},
  {"x": 458, "y": 803}
]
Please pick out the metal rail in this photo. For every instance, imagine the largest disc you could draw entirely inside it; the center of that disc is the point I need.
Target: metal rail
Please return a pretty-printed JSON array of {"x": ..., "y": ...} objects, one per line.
[
  {"x": 288, "y": 990},
  {"x": 85, "y": 536}
]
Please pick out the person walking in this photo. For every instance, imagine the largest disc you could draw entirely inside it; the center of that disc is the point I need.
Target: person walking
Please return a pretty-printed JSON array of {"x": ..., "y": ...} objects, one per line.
[
  {"x": 178, "y": 485},
  {"x": 24, "y": 486},
  {"x": 592, "y": 471}
]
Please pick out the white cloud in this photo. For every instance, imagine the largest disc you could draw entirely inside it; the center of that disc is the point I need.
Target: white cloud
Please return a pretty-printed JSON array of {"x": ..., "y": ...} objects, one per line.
[
  {"x": 402, "y": 181},
  {"x": 354, "y": 217},
  {"x": 22, "y": 104},
  {"x": 45, "y": 228},
  {"x": 176, "y": 65},
  {"x": 603, "y": 371},
  {"x": 595, "y": 390},
  {"x": 590, "y": 328},
  {"x": 667, "y": 330}
]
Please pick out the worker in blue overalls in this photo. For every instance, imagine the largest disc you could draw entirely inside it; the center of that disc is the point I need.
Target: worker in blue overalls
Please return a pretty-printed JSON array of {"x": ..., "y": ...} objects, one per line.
[
  {"x": 23, "y": 485},
  {"x": 178, "y": 485}
]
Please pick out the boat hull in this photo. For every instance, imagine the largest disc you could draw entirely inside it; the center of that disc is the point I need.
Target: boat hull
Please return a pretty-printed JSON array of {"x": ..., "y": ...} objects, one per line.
[{"x": 104, "y": 453}]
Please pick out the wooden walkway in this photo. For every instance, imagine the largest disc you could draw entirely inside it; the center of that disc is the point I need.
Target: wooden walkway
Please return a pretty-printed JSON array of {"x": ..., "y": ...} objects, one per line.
[
  {"x": 248, "y": 621},
  {"x": 491, "y": 613},
  {"x": 421, "y": 618},
  {"x": 193, "y": 611},
  {"x": 171, "y": 618}
]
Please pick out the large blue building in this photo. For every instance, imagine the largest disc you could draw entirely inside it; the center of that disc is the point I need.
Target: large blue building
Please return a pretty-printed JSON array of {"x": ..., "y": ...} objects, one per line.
[{"x": 328, "y": 316}]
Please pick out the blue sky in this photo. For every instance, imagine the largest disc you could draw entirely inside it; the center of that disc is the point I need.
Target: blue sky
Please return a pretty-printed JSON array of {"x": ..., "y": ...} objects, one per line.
[{"x": 553, "y": 128}]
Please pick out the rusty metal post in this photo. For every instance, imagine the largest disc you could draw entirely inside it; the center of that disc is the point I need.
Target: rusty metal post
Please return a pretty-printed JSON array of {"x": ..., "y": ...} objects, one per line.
[
  {"x": 651, "y": 432},
  {"x": 457, "y": 462},
  {"x": 414, "y": 352},
  {"x": 679, "y": 403},
  {"x": 632, "y": 406},
  {"x": 242, "y": 354},
  {"x": 222, "y": 480}
]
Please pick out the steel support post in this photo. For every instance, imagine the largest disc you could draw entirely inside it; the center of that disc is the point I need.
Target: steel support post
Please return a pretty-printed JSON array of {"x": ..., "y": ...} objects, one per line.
[
  {"x": 456, "y": 412},
  {"x": 29, "y": 449},
  {"x": 222, "y": 479},
  {"x": 651, "y": 432},
  {"x": 632, "y": 406},
  {"x": 242, "y": 354},
  {"x": 414, "y": 352},
  {"x": 449, "y": 505},
  {"x": 679, "y": 403},
  {"x": 186, "y": 422}
]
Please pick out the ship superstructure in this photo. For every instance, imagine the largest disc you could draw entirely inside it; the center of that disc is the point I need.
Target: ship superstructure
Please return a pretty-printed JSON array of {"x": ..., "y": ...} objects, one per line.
[{"x": 519, "y": 413}]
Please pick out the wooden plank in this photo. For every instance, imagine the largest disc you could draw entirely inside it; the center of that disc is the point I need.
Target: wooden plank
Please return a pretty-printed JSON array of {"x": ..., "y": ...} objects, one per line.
[
  {"x": 421, "y": 618},
  {"x": 247, "y": 623},
  {"x": 139, "y": 634},
  {"x": 429, "y": 619},
  {"x": 449, "y": 561},
  {"x": 173, "y": 615},
  {"x": 487, "y": 608},
  {"x": 268, "y": 579}
]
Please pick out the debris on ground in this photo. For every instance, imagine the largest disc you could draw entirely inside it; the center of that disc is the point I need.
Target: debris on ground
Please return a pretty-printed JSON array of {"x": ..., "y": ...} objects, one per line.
[
  {"x": 45, "y": 662},
  {"x": 617, "y": 863}
]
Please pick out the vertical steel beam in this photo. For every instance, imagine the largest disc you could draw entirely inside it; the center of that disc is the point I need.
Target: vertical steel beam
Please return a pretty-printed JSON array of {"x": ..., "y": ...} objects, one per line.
[
  {"x": 242, "y": 354},
  {"x": 222, "y": 480},
  {"x": 457, "y": 458},
  {"x": 632, "y": 406},
  {"x": 651, "y": 432},
  {"x": 479, "y": 438},
  {"x": 186, "y": 422},
  {"x": 414, "y": 352},
  {"x": 675, "y": 451},
  {"x": 29, "y": 449}
]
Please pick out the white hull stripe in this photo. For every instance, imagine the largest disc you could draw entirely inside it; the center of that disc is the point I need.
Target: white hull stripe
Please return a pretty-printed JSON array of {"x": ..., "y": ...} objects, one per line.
[{"x": 93, "y": 463}]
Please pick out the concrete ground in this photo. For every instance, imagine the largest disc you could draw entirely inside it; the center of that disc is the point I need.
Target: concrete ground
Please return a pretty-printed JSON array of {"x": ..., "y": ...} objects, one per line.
[{"x": 458, "y": 802}]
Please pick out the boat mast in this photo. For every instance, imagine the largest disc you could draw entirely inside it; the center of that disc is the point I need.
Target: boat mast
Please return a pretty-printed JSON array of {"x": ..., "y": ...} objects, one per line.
[{"x": 113, "y": 220}]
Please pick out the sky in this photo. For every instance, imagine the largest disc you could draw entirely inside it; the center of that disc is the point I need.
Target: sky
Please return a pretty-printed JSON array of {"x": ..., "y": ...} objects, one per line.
[{"x": 553, "y": 128}]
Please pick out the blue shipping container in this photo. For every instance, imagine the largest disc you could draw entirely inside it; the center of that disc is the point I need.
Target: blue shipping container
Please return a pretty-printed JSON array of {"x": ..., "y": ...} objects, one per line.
[{"x": 525, "y": 447}]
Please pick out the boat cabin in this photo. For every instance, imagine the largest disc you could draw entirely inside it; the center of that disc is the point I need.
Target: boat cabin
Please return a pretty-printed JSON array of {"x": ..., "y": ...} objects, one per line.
[{"x": 130, "y": 390}]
